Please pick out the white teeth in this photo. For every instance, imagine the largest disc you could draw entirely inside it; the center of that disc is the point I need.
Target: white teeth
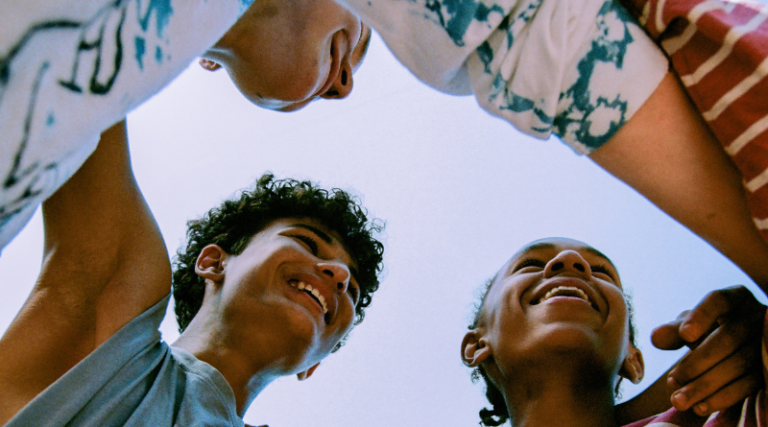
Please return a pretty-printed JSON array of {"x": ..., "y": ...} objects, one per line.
[
  {"x": 322, "y": 302},
  {"x": 566, "y": 291},
  {"x": 308, "y": 288}
]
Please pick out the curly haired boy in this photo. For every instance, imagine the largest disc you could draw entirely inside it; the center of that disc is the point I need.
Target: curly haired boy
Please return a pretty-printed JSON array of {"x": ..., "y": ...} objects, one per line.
[{"x": 268, "y": 285}]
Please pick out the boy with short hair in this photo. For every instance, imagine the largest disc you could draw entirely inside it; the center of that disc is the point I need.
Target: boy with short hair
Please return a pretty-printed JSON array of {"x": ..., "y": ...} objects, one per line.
[
  {"x": 69, "y": 70},
  {"x": 269, "y": 284}
]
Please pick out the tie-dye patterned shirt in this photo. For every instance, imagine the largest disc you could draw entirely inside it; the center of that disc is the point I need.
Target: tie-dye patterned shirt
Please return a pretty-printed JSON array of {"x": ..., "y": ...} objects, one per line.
[
  {"x": 70, "y": 69},
  {"x": 576, "y": 68}
]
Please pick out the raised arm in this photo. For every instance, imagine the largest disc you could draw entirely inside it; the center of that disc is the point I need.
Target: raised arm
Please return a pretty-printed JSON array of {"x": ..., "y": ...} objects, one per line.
[
  {"x": 667, "y": 153},
  {"x": 104, "y": 263}
]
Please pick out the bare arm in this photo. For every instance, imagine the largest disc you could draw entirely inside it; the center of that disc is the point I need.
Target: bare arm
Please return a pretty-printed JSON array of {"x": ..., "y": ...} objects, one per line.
[
  {"x": 104, "y": 263},
  {"x": 667, "y": 153}
]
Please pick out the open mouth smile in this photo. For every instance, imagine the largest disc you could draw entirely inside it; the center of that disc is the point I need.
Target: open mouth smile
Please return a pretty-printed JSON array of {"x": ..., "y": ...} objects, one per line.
[
  {"x": 312, "y": 292},
  {"x": 567, "y": 291}
]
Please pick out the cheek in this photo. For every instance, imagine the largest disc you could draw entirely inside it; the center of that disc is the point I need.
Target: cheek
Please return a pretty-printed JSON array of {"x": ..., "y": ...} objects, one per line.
[
  {"x": 343, "y": 324},
  {"x": 281, "y": 74},
  {"x": 618, "y": 322},
  {"x": 298, "y": 80}
]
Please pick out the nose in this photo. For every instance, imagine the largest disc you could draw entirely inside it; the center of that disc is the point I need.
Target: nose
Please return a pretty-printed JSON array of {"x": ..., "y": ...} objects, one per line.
[
  {"x": 338, "y": 272},
  {"x": 568, "y": 261},
  {"x": 342, "y": 86}
]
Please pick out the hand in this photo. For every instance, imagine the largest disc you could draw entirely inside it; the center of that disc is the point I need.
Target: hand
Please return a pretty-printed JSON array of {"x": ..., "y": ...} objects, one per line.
[{"x": 724, "y": 332}]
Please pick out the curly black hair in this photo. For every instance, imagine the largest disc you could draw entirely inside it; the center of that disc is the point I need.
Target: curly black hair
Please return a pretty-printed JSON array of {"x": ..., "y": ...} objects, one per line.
[
  {"x": 232, "y": 224},
  {"x": 498, "y": 414}
]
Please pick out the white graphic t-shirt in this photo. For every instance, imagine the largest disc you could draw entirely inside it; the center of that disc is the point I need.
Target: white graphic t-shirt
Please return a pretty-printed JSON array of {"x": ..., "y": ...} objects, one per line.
[{"x": 70, "y": 69}]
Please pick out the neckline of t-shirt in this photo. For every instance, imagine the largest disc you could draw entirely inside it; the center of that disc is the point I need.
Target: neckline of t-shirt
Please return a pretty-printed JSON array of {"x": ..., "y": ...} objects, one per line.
[{"x": 207, "y": 372}]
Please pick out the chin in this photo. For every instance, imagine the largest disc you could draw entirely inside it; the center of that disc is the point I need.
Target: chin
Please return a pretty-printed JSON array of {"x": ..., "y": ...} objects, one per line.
[
  {"x": 293, "y": 107},
  {"x": 276, "y": 105}
]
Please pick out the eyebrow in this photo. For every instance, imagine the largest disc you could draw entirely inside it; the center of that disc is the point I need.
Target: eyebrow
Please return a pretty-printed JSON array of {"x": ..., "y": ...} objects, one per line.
[
  {"x": 594, "y": 251},
  {"x": 327, "y": 239},
  {"x": 533, "y": 247},
  {"x": 320, "y": 233}
]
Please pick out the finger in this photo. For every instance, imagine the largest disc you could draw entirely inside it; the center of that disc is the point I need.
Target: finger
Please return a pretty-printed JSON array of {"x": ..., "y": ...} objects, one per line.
[
  {"x": 707, "y": 312},
  {"x": 667, "y": 336},
  {"x": 728, "y": 396},
  {"x": 738, "y": 365},
  {"x": 727, "y": 340}
]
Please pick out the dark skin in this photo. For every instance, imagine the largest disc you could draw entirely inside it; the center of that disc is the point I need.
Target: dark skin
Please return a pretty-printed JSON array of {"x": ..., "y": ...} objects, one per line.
[
  {"x": 537, "y": 350},
  {"x": 725, "y": 329}
]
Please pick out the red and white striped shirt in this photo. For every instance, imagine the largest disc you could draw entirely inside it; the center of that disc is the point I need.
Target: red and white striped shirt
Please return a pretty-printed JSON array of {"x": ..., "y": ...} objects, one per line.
[{"x": 719, "y": 48}]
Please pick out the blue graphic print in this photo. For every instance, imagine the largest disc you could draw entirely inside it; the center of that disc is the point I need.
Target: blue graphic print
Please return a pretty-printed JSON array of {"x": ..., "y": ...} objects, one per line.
[
  {"x": 141, "y": 47},
  {"x": 581, "y": 115},
  {"x": 578, "y": 113},
  {"x": 457, "y": 15},
  {"x": 605, "y": 49}
]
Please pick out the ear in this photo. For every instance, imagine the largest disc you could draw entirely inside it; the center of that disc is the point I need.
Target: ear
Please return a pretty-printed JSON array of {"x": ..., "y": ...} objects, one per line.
[
  {"x": 210, "y": 263},
  {"x": 209, "y": 65},
  {"x": 308, "y": 373},
  {"x": 633, "y": 367},
  {"x": 474, "y": 349}
]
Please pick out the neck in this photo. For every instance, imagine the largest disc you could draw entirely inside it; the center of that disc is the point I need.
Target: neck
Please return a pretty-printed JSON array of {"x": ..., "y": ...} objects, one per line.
[
  {"x": 246, "y": 375},
  {"x": 557, "y": 396}
]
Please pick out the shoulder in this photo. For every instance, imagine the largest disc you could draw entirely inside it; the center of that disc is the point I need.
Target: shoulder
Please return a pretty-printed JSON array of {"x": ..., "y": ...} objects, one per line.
[{"x": 129, "y": 371}]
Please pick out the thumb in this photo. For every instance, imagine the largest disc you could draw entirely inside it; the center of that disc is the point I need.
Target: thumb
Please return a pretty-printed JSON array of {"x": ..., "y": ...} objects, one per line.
[{"x": 667, "y": 336}]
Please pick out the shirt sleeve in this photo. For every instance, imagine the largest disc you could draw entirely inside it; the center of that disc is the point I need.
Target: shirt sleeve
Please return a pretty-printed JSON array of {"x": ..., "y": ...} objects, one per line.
[
  {"x": 576, "y": 68},
  {"x": 99, "y": 379}
]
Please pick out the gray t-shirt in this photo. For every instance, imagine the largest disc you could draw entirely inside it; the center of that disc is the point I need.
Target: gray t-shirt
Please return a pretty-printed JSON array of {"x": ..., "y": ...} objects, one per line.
[{"x": 135, "y": 379}]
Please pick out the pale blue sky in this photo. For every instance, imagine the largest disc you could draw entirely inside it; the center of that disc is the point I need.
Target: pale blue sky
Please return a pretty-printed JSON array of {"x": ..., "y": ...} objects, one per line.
[{"x": 460, "y": 192}]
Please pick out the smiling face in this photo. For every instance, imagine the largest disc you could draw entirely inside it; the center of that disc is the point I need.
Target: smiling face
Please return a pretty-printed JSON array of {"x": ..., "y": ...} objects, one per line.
[
  {"x": 284, "y": 54},
  {"x": 293, "y": 284},
  {"x": 557, "y": 298}
]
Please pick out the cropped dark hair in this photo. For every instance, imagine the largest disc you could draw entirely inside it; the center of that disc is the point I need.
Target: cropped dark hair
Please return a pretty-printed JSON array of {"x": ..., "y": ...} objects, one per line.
[
  {"x": 232, "y": 224},
  {"x": 498, "y": 414}
]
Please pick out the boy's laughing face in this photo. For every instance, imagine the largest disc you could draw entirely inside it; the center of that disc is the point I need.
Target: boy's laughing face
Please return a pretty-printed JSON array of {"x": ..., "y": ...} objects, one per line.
[
  {"x": 557, "y": 296},
  {"x": 293, "y": 286}
]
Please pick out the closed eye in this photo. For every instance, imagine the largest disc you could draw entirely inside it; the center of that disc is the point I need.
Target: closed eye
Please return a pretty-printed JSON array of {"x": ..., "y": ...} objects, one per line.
[
  {"x": 530, "y": 262},
  {"x": 600, "y": 269},
  {"x": 310, "y": 242}
]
